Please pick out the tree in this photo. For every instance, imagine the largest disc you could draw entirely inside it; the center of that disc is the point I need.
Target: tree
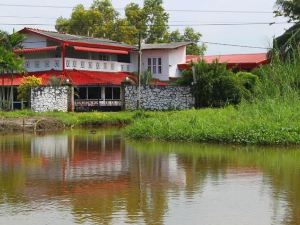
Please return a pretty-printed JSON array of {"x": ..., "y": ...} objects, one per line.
[
  {"x": 290, "y": 40},
  {"x": 216, "y": 86},
  {"x": 10, "y": 63},
  {"x": 102, "y": 20},
  {"x": 189, "y": 35},
  {"x": 156, "y": 20},
  {"x": 24, "y": 89},
  {"x": 288, "y": 8}
]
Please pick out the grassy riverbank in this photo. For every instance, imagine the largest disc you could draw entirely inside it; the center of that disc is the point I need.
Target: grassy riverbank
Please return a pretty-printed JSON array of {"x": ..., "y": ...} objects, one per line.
[
  {"x": 267, "y": 122},
  {"x": 73, "y": 119}
]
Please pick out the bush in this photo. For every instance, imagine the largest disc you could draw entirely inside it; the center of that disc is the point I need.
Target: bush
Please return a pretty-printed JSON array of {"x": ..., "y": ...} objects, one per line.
[{"x": 26, "y": 85}]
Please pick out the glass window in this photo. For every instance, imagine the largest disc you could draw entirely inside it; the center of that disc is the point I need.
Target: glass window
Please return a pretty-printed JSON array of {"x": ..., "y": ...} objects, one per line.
[
  {"x": 94, "y": 92},
  {"x": 154, "y": 65},
  {"x": 81, "y": 93},
  {"x": 149, "y": 64},
  {"x": 108, "y": 93},
  {"x": 116, "y": 93},
  {"x": 159, "y": 66}
]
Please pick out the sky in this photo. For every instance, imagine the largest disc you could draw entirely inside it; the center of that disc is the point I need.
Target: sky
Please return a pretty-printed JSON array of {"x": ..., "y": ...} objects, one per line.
[{"x": 250, "y": 35}]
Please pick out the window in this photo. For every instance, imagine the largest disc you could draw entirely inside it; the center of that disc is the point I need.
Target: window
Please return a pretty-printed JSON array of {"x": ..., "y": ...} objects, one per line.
[
  {"x": 149, "y": 65},
  {"x": 155, "y": 65},
  {"x": 112, "y": 93},
  {"x": 81, "y": 93},
  {"x": 94, "y": 92},
  {"x": 159, "y": 66},
  {"x": 108, "y": 93},
  {"x": 103, "y": 57},
  {"x": 116, "y": 93}
]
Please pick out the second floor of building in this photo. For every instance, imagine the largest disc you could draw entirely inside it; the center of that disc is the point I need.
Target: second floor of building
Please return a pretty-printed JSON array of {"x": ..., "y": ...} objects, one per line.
[{"x": 47, "y": 50}]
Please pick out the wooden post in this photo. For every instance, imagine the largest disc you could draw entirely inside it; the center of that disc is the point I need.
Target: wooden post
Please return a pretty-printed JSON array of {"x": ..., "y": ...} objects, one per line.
[{"x": 139, "y": 71}]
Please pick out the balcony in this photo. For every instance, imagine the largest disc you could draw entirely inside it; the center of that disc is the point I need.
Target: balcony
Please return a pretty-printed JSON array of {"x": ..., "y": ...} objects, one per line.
[
  {"x": 97, "y": 65},
  {"x": 35, "y": 65},
  {"x": 47, "y": 64}
]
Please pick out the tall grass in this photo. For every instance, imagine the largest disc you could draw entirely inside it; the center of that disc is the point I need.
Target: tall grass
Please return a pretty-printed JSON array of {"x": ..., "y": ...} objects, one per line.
[{"x": 272, "y": 117}]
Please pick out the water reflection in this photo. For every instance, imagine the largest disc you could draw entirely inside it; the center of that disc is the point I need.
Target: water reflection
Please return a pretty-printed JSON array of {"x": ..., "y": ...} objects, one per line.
[{"x": 101, "y": 178}]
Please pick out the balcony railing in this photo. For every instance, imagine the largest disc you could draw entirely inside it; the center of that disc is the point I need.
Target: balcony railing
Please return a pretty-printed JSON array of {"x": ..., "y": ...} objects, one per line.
[
  {"x": 97, "y": 65},
  {"x": 34, "y": 65}
]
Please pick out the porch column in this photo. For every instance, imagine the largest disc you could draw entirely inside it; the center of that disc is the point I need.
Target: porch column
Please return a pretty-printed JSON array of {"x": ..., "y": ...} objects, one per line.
[{"x": 103, "y": 94}]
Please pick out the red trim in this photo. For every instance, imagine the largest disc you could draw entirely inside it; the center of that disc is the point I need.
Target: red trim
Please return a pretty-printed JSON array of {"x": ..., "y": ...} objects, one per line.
[
  {"x": 77, "y": 78},
  {"x": 28, "y": 30},
  {"x": 84, "y": 44},
  {"x": 63, "y": 54},
  {"x": 101, "y": 50},
  {"x": 32, "y": 50}
]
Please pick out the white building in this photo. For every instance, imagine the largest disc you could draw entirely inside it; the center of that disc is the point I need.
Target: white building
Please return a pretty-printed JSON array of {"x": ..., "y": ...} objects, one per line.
[{"x": 97, "y": 67}]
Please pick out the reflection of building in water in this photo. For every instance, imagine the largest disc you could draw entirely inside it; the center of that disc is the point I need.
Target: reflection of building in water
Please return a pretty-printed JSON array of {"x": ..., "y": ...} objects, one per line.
[
  {"x": 50, "y": 146},
  {"x": 160, "y": 168},
  {"x": 79, "y": 157}
]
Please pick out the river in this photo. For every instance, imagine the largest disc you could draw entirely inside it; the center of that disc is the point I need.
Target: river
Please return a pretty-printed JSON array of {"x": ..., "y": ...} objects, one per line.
[{"x": 100, "y": 177}]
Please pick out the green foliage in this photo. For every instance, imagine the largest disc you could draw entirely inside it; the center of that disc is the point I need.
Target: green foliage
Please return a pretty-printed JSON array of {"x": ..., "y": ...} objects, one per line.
[
  {"x": 247, "y": 83},
  {"x": 26, "y": 85},
  {"x": 156, "y": 21},
  {"x": 146, "y": 77},
  {"x": 280, "y": 79},
  {"x": 189, "y": 35},
  {"x": 263, "y": 122},
  {"x": 288, "y": 42},
  {"x": 9, "y": 63},
  {"x": 151, "y": 21},
  {"x": 216, "y": 86},
  {"x": 288, "y": 8},
  {"x": 55, "y": 81},
  {"x": 102, "y": 20}
]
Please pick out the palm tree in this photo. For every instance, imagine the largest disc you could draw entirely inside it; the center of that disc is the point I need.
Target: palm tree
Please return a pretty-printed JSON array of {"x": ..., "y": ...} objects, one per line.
[{"x": 10, "y": 63}]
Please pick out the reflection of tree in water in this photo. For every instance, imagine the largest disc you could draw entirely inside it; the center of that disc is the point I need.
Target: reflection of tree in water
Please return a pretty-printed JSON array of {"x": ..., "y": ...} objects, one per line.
[
  {"x": 281, "y": 168},
  {"x": 105, "y": 179},
  {"x": 13, "y": 149}
]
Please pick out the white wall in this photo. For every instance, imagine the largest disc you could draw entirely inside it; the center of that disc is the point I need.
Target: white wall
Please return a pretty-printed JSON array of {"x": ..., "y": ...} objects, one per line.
[
  {"x": 170, "y": 60},
  {"x": 176, "y": 56},
  {"x": 34, "y": 41},
  {"x": 164, "y": 55}
]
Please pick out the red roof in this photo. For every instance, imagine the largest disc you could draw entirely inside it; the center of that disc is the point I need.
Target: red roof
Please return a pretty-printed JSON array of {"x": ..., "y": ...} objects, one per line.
[
  {"x": 241, "y": 61},
  {"x": 77, "y": 78},
  {"x": 258, "y": 58},
  {"x": 101, "y": 50},
  {"x": 30, "y": 50}
]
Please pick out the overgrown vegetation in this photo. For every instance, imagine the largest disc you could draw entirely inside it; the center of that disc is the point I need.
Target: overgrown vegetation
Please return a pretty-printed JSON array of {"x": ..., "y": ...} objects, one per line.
[
  {"x": 213, "y": 85},
  {"x": 24, "y": 89},
  {"x": 271, "y": 117}
]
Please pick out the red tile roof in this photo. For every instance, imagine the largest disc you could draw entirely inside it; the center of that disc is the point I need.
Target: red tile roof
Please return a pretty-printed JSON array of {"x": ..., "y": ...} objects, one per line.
[
  {"x": 258, "y": 58},
  {"x": 241, "y": 61},
  {"x": 77, "y": 78}
]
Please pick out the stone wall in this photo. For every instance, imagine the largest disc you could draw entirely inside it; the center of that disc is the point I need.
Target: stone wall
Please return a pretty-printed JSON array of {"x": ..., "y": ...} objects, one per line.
[
  {"x": 158, "y": 97},
  {"x": 49, "y": 99}
]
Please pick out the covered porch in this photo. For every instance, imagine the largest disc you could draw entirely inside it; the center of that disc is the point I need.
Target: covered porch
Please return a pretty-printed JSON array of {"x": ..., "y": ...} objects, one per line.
[{"x": 97, "y": 98}]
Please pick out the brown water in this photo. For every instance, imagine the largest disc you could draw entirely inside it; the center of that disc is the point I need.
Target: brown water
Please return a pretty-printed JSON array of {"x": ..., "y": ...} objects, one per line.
[{"x": 99, "y": 177}]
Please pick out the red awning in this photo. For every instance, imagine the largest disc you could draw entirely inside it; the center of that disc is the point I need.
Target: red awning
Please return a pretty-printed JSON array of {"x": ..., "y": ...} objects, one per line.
[
  {"x": 100, "y": 50},
  {"x": 77, "y": 78},
  {"x": 31, "y": 50}
]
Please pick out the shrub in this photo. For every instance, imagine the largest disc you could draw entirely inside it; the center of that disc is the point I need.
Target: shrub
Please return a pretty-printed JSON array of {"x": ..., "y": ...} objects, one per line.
[{"x": 26, "y": 85}]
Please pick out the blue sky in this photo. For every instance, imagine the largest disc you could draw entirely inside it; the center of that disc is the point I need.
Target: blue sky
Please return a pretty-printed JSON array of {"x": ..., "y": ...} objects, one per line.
[{"x": 254, "y": 35}]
